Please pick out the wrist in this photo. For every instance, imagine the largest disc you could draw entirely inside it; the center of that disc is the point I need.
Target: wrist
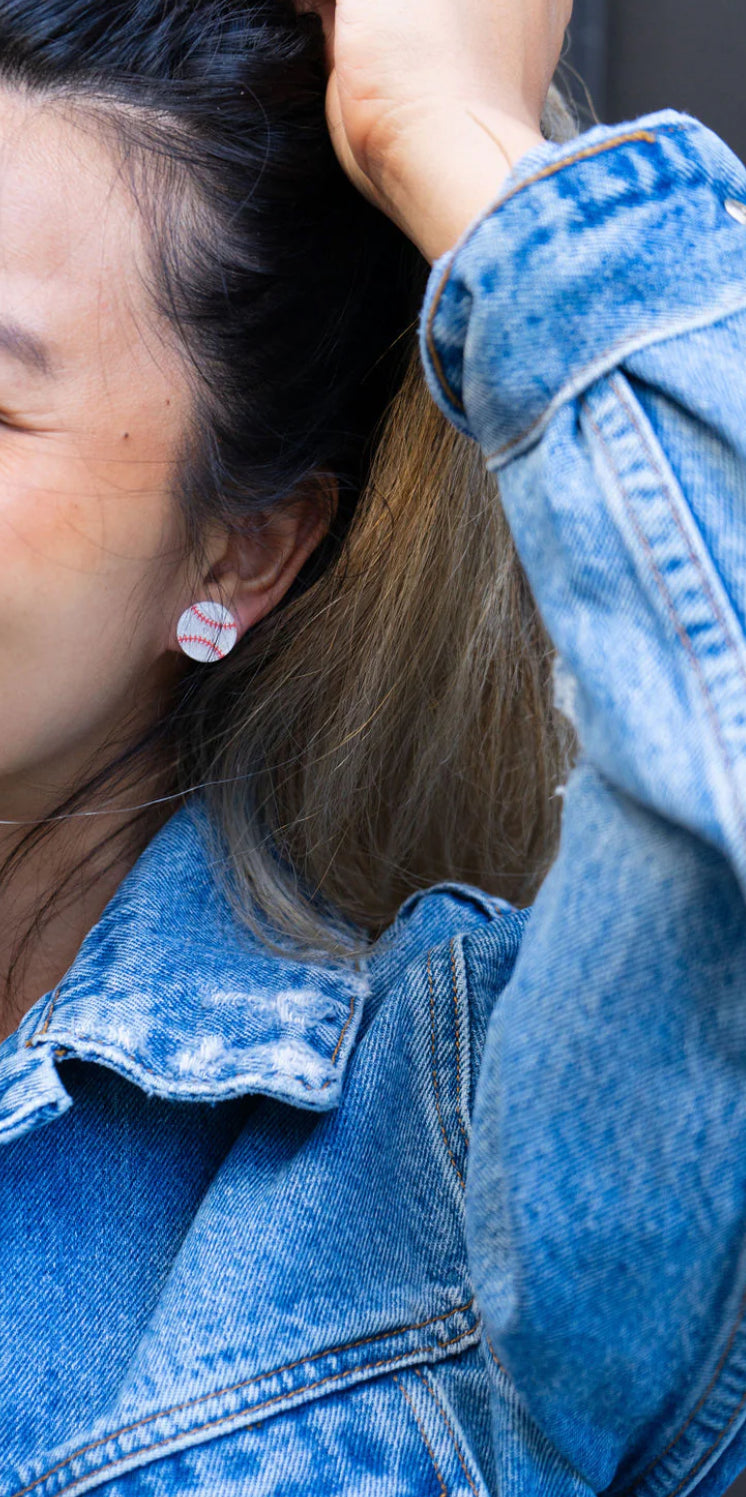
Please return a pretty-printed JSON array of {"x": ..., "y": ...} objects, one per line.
[{"x": 447, "y": 169}]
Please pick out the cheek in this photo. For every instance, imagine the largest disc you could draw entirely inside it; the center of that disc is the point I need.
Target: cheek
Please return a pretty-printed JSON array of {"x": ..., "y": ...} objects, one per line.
[{"x": 89, "y": 572}]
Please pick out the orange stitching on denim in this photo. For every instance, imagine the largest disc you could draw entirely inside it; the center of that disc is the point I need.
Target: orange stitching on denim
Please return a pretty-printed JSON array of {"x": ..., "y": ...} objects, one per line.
[
  {"x": 435, "y": 1073},
  {"x": 427, "y": 1384},
  {"x": 707, "y": 1453},
  {"x": 45, "y": 1025},
  {"x": 621, "y": 397},
  {"x": 89, "y": 1039},
  {"x": 694, "y": 1469},
  {"x": 333, "y": 1377},
  {"x": 344, "y": 1030},
  {"x": 703, "y": 1399},
  {"x": 668, "y": 600},
  {"x": 688, "y": 646},
  {"x": 609, "y": 357},
  {"x": 458, "y": 1043},
  {"x": 262, "y": 1377},
  {"x": 128, "y": 1055},
  {"x": 495, "y": 1357},
  {"x": 121, "y": 1053},
  {"x": 425, "y": 1441},
  {"x": 547, "y": 171},
  {"x": 452, "y": 1339}
]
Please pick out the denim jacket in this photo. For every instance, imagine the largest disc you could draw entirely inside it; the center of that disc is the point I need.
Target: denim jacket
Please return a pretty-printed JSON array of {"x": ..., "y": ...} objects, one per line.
[{"x": 465, "y": 1217}]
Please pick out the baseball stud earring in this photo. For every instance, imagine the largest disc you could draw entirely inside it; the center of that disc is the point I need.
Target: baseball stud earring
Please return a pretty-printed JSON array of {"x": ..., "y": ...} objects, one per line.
[{"x": 207, "y": 632}]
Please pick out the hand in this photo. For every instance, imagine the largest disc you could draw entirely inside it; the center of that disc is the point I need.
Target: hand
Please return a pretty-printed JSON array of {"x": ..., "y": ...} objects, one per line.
[{"x": 430, "y": 102}]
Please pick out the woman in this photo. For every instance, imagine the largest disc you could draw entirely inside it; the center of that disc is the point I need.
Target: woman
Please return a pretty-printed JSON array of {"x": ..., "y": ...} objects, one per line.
[{"x": 285, "y": 739}]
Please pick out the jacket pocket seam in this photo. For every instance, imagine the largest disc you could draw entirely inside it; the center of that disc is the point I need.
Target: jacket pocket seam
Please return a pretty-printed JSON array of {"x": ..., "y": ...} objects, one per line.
[
  {"x": 449, "y": 1427},
  {"x": 423, "y": 1437},
  {"x": 224, "y": 1419},
  {"x": 262, "y": 1403}
]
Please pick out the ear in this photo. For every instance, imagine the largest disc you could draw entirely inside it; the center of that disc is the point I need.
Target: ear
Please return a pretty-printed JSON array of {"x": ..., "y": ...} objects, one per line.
[{"x": 251, "y": 569}]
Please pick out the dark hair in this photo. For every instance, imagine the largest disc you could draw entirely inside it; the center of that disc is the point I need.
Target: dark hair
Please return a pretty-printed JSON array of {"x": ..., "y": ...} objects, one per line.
[
  {"x": 289, "y": 289},
  {"x": 391, "y": 723}
]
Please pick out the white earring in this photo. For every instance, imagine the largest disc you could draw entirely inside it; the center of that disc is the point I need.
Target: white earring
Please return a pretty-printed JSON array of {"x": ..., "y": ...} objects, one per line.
[{"x": 207, "y": 632}]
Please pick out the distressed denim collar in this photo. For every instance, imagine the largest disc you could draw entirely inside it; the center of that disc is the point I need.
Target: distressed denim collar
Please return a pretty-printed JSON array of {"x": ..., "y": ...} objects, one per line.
[{"x": 172, "y": 991}]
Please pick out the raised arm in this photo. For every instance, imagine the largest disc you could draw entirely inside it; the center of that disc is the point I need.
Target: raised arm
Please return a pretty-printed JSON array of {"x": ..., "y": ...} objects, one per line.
[
  {"x": 585, "y": 323},
  {"x": 589, "y": 331}
]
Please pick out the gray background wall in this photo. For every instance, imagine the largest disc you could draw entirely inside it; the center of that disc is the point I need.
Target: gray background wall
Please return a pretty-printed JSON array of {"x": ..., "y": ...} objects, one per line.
[{"x": 640, "y": 55}]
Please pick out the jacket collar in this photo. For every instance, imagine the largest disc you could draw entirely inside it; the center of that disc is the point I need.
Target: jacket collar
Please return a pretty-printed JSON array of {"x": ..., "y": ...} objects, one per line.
[{"x": 172, "y": 991}]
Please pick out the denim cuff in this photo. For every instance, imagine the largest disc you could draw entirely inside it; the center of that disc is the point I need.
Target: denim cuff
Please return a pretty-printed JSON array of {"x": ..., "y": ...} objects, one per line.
[{"x": 595, "y": 248}]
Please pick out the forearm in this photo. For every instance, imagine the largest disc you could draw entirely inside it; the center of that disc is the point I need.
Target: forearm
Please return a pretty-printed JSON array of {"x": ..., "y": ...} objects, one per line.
[{"x": 589, "y": 332}]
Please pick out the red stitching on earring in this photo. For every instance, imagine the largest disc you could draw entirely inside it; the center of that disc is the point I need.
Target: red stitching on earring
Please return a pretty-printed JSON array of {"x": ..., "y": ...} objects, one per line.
[
  {"x": 200, "y": 639},
  {"x": 218, "y": 624}
]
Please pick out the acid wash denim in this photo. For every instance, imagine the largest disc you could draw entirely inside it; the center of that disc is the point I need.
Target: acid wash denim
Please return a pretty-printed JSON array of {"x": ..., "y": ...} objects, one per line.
[{"x": 465, "y": 1217}]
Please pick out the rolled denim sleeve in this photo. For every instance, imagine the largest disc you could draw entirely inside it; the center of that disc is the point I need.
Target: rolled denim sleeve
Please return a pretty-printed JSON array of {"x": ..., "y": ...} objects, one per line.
[{"x": 589, "y": 332}]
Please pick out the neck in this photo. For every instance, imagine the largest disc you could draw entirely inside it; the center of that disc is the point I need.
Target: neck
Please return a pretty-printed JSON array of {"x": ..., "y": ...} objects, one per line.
[{"x": 56, "y": 878}]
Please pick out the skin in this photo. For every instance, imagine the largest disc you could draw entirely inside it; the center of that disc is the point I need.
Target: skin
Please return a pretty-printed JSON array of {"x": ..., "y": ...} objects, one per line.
[
  {"x": 94, "y": 400},
  {"x": 431, "y": 103},
  {"x": 428, "y": 105}
]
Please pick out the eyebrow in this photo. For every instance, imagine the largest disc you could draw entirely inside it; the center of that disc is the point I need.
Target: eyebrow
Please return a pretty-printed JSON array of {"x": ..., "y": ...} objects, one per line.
[{"x": 29, "y": 349}]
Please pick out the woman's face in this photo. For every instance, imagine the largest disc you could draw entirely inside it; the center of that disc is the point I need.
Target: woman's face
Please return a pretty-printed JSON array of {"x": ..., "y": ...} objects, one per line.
[{"x": 93, "y": 404}]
